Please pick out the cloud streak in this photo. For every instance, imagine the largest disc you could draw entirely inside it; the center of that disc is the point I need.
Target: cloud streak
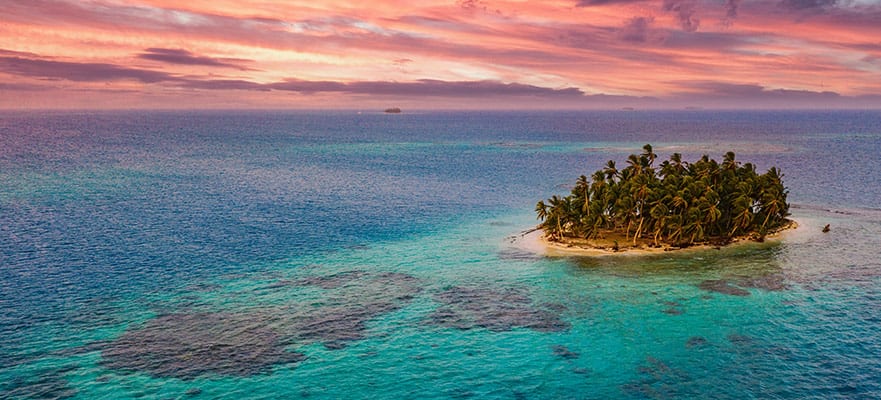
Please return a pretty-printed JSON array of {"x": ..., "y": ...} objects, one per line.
[
  {"x": 184, "y": 57},
  {"x": 95, "y": 72},
  {"x": 430, "y": 88},
  {"x": 80, "y": 72},
  {"x": 637, "y": 30},
  {"x": 685, "y": 13},
  {"x": 576, "y": 52},
  {"x": 588, "y": 3}
]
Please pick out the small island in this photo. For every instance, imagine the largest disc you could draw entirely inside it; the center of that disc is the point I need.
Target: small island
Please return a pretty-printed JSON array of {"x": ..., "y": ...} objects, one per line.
[
  {"x": 393, "y": 110},
  {"x": 674, "y": 206}
]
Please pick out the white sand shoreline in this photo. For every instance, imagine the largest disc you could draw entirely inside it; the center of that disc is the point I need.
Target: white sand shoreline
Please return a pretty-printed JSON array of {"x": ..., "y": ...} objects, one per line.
[{"x": 534, "y": 241}]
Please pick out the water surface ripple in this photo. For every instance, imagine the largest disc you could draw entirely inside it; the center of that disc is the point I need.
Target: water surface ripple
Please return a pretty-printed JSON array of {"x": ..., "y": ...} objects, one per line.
[{"x": 341, "y": 255}]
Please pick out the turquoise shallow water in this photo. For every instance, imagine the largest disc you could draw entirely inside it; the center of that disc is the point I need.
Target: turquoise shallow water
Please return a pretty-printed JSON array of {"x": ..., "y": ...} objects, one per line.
[{"x": 335, "y": 255}]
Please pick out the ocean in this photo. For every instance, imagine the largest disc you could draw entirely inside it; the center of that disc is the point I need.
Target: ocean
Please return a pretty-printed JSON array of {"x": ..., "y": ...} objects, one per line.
[{"x": 337, "y": 254}]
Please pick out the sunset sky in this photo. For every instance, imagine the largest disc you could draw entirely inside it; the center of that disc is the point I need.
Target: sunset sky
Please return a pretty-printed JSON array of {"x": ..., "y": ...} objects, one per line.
[{"x": 440, "y": 54}]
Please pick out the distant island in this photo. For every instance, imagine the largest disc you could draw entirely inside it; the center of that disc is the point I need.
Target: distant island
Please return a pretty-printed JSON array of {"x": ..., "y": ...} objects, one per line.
[
  {"x": 393, "y": 110},
  {"x": 675, "y": 206}
]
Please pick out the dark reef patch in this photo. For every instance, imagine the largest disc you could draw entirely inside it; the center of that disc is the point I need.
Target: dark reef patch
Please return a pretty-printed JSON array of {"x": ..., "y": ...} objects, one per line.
[
  {"x": 281, "y": 284},
  {"x": 695, "y": 341},
  {"x": 48, "y": 384},
  {"x": 658, "y": 380},
  {"x": 189, "y": 344},
  {"x": 203, "y": 287},
  {"x": 352, "y": 299},
  {"x": 497, "y": 310},
  {"x": 770, "y": 282},
  {"x": 722, "y": 286},
  {"x": 186, "y": 345},
  {"x": 673, "y": 307},
  {"x": 405, "y": 286},
  {"x": 331, "y": 281},
  {"x": 514, "y": 254},
  {"x": 334, "y": 326},
  {"x": 556, "y": 307},
  {"x": 740, "y": 340},
  {"x": 564, "y": 352}
]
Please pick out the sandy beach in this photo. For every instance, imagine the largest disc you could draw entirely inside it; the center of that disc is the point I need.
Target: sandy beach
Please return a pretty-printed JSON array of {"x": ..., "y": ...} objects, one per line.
[{"x": 535, "y": 242}]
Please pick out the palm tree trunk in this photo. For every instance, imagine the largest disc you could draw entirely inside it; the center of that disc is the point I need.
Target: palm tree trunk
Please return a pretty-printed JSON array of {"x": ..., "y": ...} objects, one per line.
[
  {"x": 638, "y": 230},
  {"x": 766, "y": 221}
]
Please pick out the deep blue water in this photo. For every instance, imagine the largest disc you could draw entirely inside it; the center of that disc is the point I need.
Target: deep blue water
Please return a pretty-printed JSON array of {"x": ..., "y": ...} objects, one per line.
[{"x": 345, "y": 255}]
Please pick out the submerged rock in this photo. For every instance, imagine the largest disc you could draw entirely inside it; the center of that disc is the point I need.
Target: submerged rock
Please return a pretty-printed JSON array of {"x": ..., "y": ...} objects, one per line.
[
  {"x": 330, "y": 282},
  {"x": 514, "y": 254},
  {"x": 47, "y": 384},
  {"x": 202, "y": 287},
  {"x": 186, "y": 345},
  {"x": 281, "y": 284},
  {"x": 353, "y": 299},
  {"x": 495, "y": 310},
  {"x": 564, "y": 352},
  {"x": 556, "y": 307},
  {"x": 770, "y": 282},
  {"x": 740, "y": 340},
  {"x": 695, "y": 341},
  {"x": 334, "y": 326},
  {"x": 724, "y": 287},
  {"x": 658, "y": 380}
]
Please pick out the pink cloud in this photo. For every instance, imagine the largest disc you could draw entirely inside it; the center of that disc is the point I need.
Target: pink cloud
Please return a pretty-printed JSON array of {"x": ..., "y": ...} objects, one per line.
[{"x": 627, "y": 50}]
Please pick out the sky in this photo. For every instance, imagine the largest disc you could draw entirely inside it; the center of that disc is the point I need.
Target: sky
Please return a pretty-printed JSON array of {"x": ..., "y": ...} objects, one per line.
[{"x": 454, "y": 54}]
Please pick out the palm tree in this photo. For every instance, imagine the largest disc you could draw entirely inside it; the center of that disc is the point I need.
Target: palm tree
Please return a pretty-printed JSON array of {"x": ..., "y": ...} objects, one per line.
[
  {"x": 742, "y": 216},
  {"x": 728, "y": 162},
  {"x": 541, "y": 209},
  {"x": 711, "y": 213},
  {"x": 641, "y": 192},
  {"x": 582, "y": 187},
  {"x": 610, "y": 171},
  {"x": 635, "y": 164},
  {"x": 678, "y": 165},
  {"x": 681, "y": 203},
  {"x": 658, "y": 213},
  {"x": 648, "y": 154}
]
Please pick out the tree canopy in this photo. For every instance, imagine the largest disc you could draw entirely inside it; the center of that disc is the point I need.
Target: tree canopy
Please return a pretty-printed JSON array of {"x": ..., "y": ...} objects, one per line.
[{"x": 677, "y": 203}]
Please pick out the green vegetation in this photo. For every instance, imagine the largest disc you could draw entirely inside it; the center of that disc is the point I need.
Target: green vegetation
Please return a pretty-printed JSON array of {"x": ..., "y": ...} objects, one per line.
[{"x": 677, "y": 204}]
